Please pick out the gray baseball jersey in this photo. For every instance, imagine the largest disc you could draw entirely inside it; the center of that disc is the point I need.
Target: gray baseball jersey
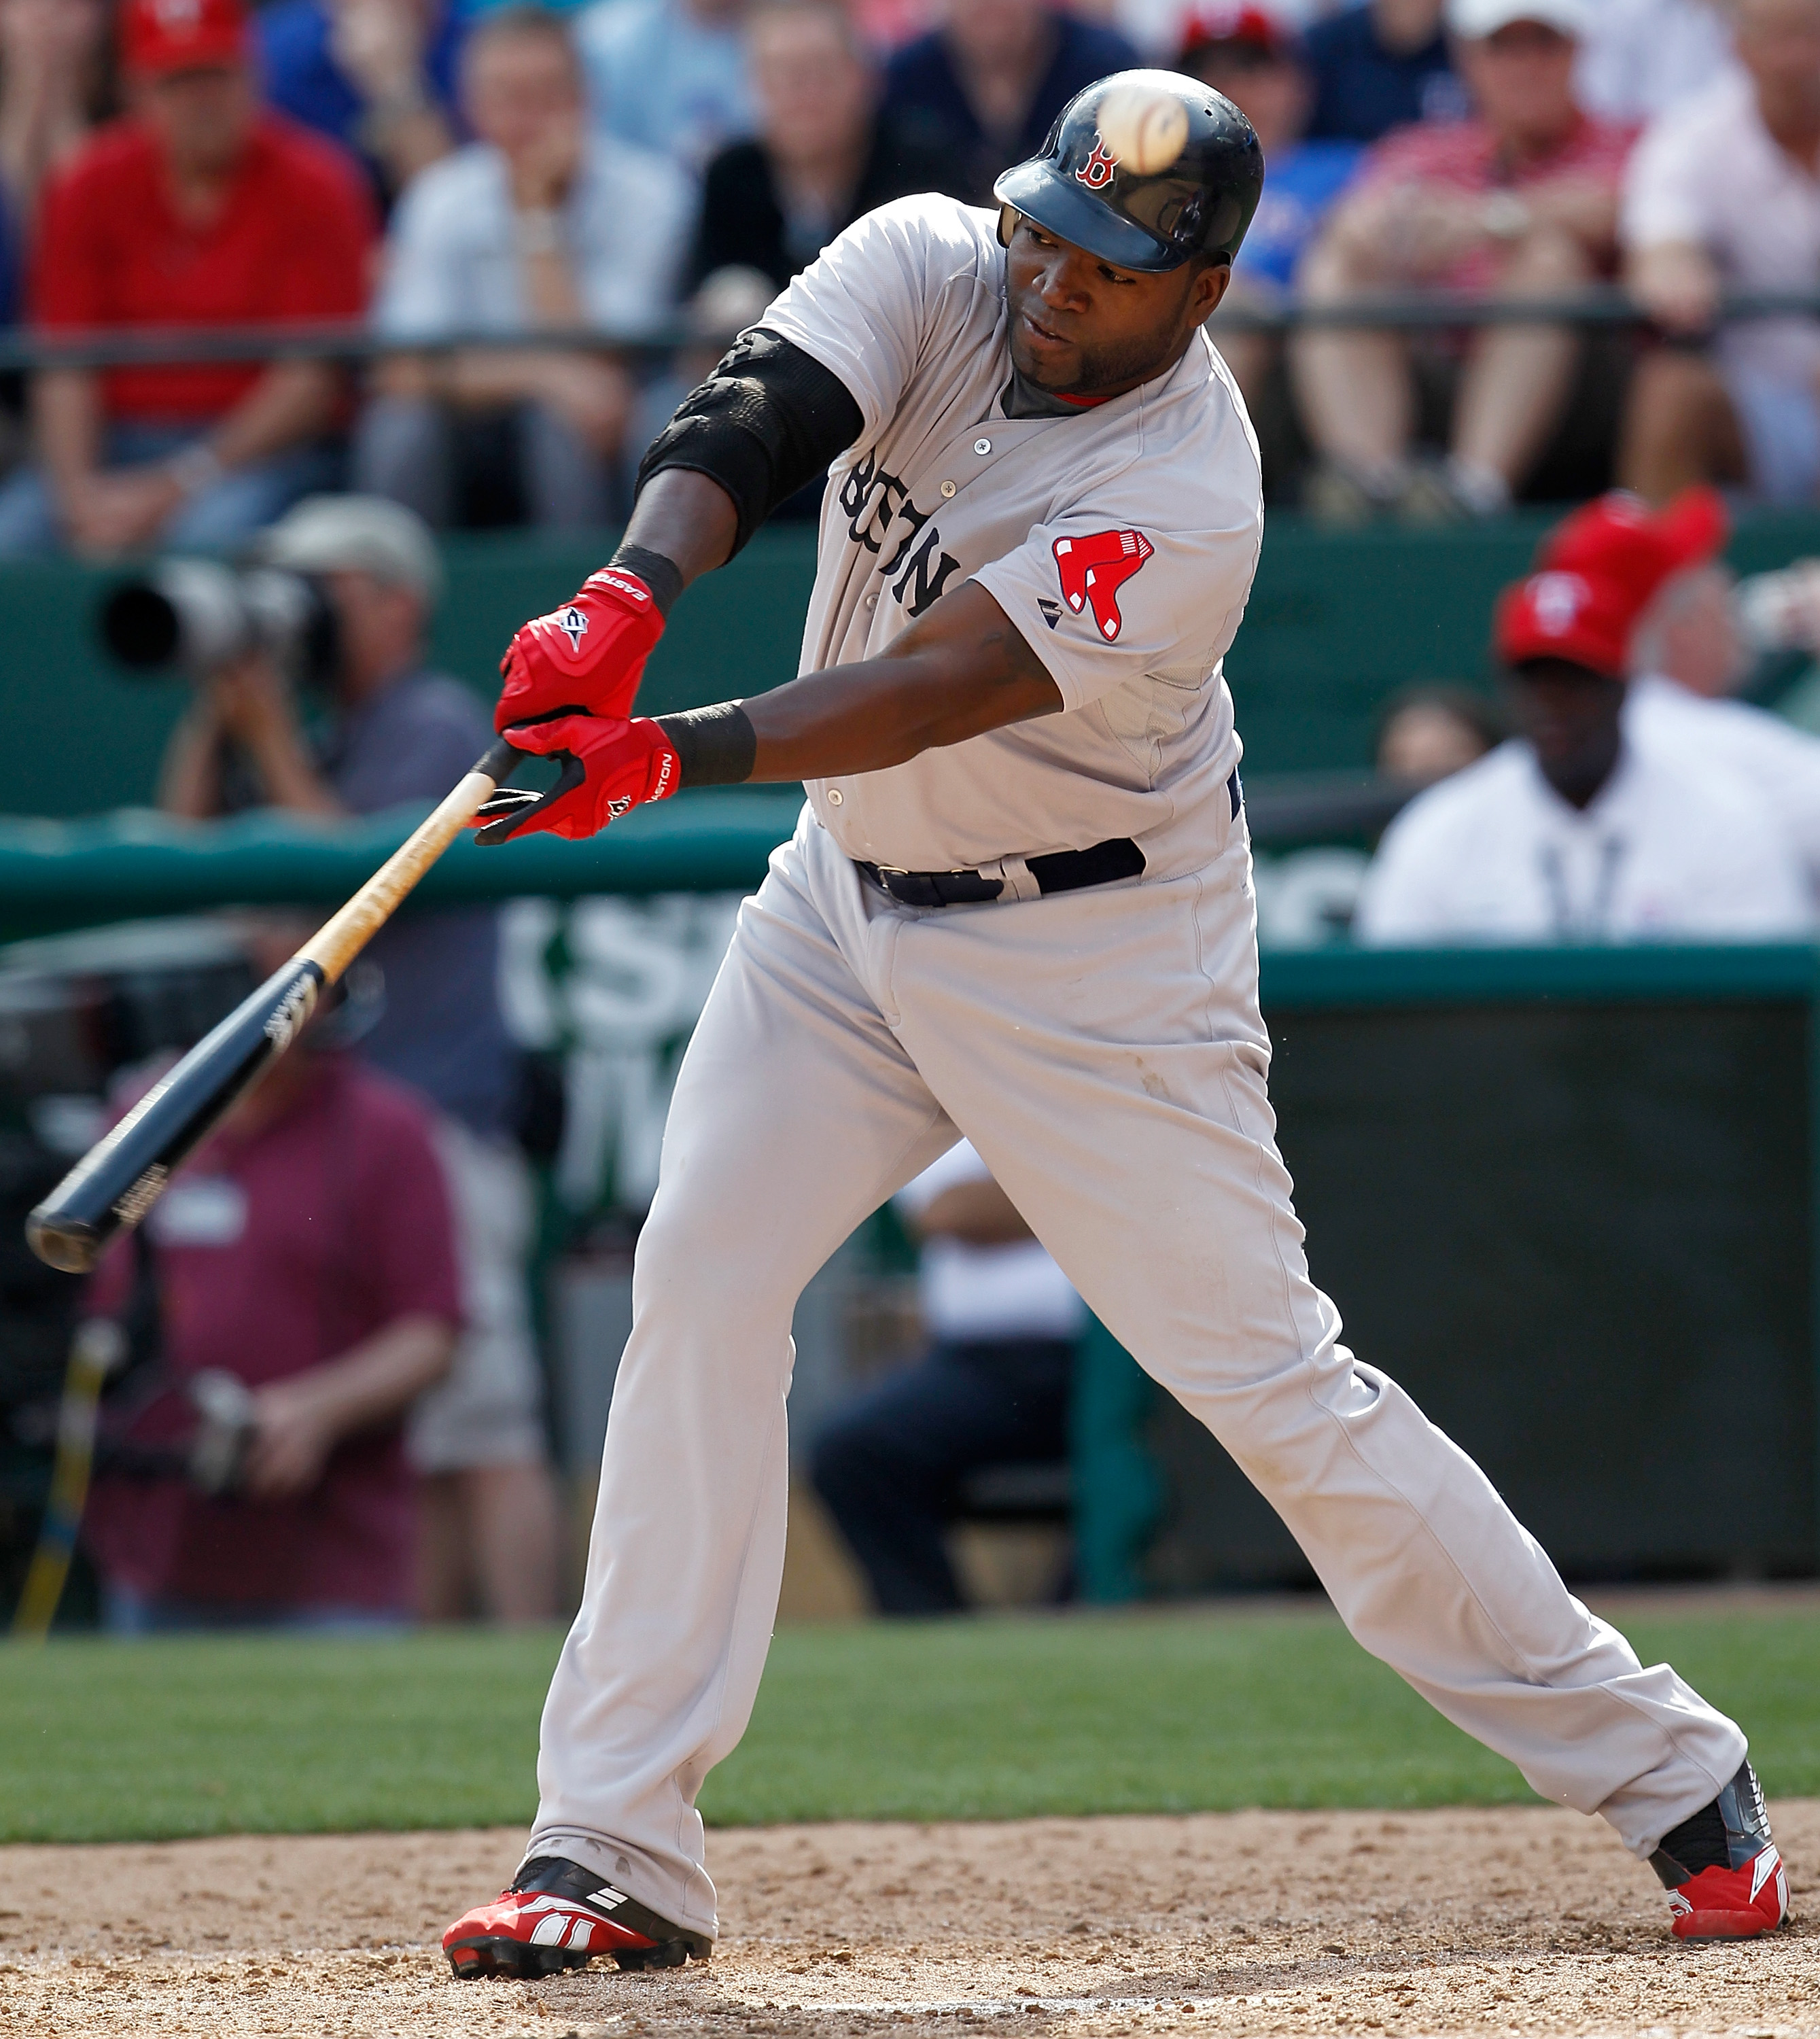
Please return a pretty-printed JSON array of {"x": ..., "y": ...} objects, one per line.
[{"x": 1121, "y": 541}]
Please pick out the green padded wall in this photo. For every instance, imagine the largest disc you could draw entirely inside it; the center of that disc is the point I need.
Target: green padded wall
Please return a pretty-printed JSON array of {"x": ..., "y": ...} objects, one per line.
[
  {"x": 1582, "y": 1235},
  {"x": 1337, "y": 622}
]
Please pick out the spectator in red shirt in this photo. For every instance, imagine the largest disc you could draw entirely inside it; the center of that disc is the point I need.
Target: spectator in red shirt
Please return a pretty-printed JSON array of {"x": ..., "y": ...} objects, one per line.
[
  {"x": 200, "y": 210},
  {"x": 307, "y": 1250},
  {"x": 1519, "y": 200}
]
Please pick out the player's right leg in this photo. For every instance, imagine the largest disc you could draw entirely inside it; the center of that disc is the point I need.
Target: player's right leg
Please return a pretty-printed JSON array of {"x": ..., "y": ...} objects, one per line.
[
  {"x": 796, "y": 1114},
  {"x": 1124, "y": 1108}
]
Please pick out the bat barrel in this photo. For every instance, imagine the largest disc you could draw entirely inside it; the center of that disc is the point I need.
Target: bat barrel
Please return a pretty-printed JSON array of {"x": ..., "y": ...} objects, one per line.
[{"x": 119, "y": 1180}]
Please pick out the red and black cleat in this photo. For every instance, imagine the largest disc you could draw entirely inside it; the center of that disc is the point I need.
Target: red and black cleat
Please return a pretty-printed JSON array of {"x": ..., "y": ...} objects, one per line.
[
  {"x": 1725, "y": 1880},
  {"x": 557, "y": 1915}
]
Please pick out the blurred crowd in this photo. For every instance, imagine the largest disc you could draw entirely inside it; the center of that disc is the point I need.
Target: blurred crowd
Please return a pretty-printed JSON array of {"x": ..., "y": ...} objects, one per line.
[{"x": 644, "y": 174}]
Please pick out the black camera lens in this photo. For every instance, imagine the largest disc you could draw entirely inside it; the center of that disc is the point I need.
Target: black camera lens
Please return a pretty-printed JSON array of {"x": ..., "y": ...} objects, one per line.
[{"x": 141, "y": 627}]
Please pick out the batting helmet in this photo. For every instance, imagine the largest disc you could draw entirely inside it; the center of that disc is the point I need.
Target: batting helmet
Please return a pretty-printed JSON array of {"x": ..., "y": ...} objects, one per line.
[{"x": 1200, "y": 205}]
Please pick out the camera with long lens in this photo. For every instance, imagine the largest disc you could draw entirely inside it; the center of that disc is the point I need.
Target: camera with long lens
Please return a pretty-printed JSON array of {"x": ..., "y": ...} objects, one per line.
[{"x": 193, "y": 617}]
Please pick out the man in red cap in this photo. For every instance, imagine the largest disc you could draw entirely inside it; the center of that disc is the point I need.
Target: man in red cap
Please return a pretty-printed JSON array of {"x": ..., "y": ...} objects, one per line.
[
  {"x": 1571, "y": 832},
  {"x": 197, "y": 209},
  {"x": 1686, "y": 653}
]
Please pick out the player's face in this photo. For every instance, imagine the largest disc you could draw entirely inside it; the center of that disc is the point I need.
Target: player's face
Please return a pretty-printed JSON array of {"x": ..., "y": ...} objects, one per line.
[
  {"x": 1571, "y": 718},
  {"x": 1082, "y": 328}
]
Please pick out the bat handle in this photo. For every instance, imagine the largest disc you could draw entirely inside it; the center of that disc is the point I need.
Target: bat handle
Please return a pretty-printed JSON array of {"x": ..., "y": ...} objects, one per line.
[
  {"x": 500, "y": 762},
  {"x": 334, "y": 946}
]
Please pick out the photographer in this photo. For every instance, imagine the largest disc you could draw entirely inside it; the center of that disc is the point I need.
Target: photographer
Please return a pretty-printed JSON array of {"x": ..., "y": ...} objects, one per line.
[
  {"x": 306, "y": 1251},
  {"x": 396, "y": 731}
]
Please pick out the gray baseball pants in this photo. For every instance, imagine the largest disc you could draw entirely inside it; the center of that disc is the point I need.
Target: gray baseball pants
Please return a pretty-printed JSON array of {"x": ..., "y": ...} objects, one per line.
[{"x": 1103, "y": 1050}]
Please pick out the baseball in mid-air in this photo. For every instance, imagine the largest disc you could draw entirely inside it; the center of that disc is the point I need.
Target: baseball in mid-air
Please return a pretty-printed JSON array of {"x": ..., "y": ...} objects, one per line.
[{"x": 1144, "y": 128}]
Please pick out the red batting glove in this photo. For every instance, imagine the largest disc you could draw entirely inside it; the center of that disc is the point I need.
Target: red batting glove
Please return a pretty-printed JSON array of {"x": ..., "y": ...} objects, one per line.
[
  {"x": 609, "y": 766},
  {"x": 586, "y": 657}
]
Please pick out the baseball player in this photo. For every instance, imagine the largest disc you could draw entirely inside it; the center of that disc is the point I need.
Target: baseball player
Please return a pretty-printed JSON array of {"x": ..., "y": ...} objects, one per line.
[{"x": 1017, "y": 907}]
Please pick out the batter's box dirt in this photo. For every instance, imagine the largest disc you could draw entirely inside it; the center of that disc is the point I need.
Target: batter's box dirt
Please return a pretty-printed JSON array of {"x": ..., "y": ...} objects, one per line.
[{"x": 1525, "y": 1921}]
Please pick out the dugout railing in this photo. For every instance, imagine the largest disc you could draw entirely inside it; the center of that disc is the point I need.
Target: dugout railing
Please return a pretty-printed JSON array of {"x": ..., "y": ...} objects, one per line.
[{"x": 354, "y": 341}]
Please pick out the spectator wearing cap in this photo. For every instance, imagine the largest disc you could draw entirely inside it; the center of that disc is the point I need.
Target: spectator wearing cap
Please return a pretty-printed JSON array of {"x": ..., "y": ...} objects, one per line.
[
  {"x": 538, "y": 223},
  {"x": 668, "y": 76},
  {"x": 1573, "y": 832},
  {"x": 1520, "y": 200},
  {"x": 1378, "y": 65},
  {"x": 1724, "y": 194},
  {"x": 983, "y": 88},
  {"x": 399, "y": 732},
  {"x": 197, "y": 210},
  {"x": 1254, "y": 59},
  {"x": 824, "y": 152},
  {"x": 306, "y": 1253},
  {"x": 378, "y": 75},
  {"x": 1641, "y": 57},
  {"x": 1687, "y": 654}
]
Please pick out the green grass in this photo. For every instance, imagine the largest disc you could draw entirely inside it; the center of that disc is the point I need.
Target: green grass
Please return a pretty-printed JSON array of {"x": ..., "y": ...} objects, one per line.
[{"x": 976, "y": 1719}]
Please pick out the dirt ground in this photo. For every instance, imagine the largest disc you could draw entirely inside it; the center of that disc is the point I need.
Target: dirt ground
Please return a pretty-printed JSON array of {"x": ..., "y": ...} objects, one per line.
[{"x": 1523, "y": 1921}]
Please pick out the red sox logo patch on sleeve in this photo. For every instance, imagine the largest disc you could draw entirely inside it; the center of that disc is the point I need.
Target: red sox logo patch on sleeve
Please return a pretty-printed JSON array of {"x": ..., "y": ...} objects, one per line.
[{"x": 1093, "y": 570}]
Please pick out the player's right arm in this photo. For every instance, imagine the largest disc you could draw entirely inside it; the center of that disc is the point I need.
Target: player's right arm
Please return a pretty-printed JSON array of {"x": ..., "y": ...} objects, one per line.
[
  {"x": 959, "y": 670},
  {"x": 829, "y": 363}
]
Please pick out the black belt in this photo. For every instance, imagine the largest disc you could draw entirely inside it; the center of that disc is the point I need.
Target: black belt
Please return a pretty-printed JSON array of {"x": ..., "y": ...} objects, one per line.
[{"x": 1064, "y": 871}]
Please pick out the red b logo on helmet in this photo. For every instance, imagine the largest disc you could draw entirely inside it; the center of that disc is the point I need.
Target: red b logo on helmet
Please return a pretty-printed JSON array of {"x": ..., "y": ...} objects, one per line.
[{"x": 1098, "y": 169}]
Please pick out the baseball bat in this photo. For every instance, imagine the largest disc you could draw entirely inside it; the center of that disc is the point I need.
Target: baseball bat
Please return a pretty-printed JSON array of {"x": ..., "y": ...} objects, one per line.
[{"x": 123, "y": 1174}]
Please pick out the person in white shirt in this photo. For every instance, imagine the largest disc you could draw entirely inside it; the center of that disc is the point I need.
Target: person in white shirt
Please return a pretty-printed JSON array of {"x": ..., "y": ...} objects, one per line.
[
  {"x": 1572, "y": 833},
  {"x": 668, "y": 76},
  {"x": 1688, "y": 654},
  {"x": 1002, "y": 1320},
  {"x": 1722, "y": 193},
  {"x": 1641, "y": 57},
  {"x": 538, "y": 223}
]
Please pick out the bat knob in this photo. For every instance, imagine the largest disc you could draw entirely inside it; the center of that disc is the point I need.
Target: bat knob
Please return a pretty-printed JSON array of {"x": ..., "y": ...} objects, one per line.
[{"x": 64, "y": 1244}]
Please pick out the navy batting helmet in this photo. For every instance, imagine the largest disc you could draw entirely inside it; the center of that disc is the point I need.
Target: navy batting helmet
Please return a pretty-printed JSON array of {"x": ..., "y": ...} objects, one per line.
[{"x": 1201, "y": 204}]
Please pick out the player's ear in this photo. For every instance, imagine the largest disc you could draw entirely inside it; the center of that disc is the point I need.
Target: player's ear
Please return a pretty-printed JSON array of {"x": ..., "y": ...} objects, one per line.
[{"x": 1210, "y": 281}]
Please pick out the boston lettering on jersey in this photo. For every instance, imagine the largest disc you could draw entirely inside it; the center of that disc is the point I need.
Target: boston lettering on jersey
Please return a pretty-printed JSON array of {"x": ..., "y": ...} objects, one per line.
[{"x": 873, "y": 501}]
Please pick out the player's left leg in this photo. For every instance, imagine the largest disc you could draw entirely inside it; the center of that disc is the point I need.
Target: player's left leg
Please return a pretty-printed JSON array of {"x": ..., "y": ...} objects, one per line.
[{"x": 1104, "y": 1053}]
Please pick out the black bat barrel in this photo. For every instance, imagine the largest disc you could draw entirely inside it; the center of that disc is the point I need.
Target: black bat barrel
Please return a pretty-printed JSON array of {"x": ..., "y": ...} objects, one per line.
[{"x": 123, "y": 1176}]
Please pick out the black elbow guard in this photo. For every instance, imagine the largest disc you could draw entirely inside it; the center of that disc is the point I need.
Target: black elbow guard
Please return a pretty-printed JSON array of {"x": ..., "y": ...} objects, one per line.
[{"x": 769, "y": 419}]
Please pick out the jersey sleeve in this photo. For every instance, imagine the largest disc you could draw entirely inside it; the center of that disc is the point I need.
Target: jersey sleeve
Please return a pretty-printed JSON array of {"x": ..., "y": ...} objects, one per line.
[
  {"x": 408, "y": 1226},
  {"x": 1406, "y": 900},
  {"x": 329, "y": 274},
  {"x": 864, "y": 309},
  {"x": 70, "y": 261},
  {"x": 419, "y": 292},
  {"x": 1667, "y": 190},
  {"x": 1105, "y": 593}
]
